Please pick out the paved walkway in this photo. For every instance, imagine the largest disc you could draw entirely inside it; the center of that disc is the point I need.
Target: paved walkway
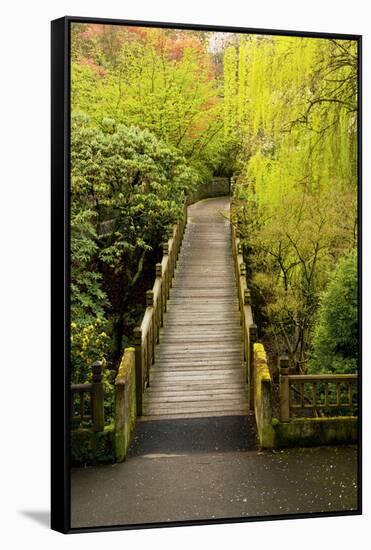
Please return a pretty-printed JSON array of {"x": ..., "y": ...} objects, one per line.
[
  {"x": 198, "y": 368},
  {"x": 163, "y": 486}
]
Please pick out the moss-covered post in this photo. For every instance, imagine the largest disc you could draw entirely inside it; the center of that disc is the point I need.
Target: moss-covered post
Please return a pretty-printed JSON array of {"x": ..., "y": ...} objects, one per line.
[
  {"x": 138, "y": 369},
  {"x": 149, "y": 298},
  {"x": 263, "y": 398},
  {"x": 247, "y": 297},
  {"x": 97, "y": 397},
  {"x": 125, "y": 404},
  {"x": 253, "y": 338},
  {"x": 284, "y": 388}
]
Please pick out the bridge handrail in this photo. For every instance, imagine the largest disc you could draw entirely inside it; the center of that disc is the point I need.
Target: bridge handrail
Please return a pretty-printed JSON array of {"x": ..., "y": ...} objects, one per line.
[
  {"x": 294, "y": 398},
  {"x": 249, "y": 328},
  {"x": 96, "y": 393},
  {"x": 146, "y": 336}
]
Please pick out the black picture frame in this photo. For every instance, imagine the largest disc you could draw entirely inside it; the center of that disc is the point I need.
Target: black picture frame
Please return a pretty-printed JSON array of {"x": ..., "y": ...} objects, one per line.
[{"x": 60, "y": 269}]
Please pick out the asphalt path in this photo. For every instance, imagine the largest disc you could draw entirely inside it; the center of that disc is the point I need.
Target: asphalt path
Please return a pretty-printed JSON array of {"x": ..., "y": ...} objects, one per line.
[{"x": 210, "y": 468}]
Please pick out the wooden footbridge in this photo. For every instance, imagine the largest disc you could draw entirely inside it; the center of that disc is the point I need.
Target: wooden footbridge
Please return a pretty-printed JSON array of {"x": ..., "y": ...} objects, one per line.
[
  {"x": 196, "y": 354},
  {"x": 198, "y": 368}
]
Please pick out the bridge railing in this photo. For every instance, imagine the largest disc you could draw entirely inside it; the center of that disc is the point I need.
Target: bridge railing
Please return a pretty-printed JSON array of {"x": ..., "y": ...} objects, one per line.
[
  {"x": 313, "y": 409},
  {"x": 300, "y": 393},
  {"x": 90, "y": 401},
  {"x": 146, "y": 336},
  {"x": 249, "y": 328}
]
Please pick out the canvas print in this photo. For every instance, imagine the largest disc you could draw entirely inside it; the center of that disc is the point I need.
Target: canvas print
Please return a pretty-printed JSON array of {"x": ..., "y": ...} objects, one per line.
[{"x": 214, "y": 274}]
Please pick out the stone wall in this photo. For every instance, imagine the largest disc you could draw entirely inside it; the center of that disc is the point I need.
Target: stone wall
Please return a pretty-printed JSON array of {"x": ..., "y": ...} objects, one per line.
[
  {"x": 309, "y": 432},
  {"x": 88, "y": 447}
]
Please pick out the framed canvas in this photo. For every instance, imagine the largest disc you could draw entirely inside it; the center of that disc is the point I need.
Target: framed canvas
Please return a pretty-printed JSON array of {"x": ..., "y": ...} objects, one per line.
[{"x": 206, "y": 354}]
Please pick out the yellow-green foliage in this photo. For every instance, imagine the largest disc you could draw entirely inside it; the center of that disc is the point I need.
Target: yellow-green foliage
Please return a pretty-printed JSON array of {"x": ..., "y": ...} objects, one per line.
[
  {"x": 89, "y": 343},
  {"x": 230, "y": 89},
  {"x": 162, "y": 81},
  {"x": 299, "y": 96},
  {"x": 293, "y": 103}
]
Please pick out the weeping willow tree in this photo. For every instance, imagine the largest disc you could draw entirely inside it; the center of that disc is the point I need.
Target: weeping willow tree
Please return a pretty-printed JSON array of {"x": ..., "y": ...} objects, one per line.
[
  {"x": 295, "y": 110},
  {"x": 230, "y": 90}
]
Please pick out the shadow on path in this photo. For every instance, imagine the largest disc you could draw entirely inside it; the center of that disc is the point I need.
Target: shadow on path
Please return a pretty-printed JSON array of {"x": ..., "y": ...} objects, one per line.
[{"x": 194, "y": 435}]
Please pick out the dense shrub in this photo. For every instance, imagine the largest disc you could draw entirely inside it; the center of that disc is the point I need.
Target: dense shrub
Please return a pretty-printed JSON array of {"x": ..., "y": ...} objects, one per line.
[
  {"x": 335, "y": 343},
  {"x": 127, "y": 189}
]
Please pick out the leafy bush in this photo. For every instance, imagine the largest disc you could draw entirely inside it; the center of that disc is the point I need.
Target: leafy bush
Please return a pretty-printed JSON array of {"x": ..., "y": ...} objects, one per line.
[
  {"x": 127, "y": 188},
  {"x": 335, "y": 342},
  {"x": 89, "y": 343}
]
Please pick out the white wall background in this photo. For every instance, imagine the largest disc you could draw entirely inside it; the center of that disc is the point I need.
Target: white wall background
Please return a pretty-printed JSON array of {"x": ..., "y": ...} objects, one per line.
[{"x": 24, "y": 219}]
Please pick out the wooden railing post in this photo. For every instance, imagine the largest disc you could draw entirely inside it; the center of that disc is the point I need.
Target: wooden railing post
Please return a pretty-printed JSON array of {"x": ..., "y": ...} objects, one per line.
[
  {"x": 153, "y": 332},
  {"x": 284, "y": 364},
  {"x": 253, "y": 337},
  {"x": 245, "y": 332},
  {"x": 165, "y": 248},
  {"x": 284, "y": 389},
  {"x": 149, "y": 298},
  {"x": 170, "y": 252},
  {"x": 161, "y": 304},
  {"x": 138, "y": 369},
  {"x": 97, "y": 397}
]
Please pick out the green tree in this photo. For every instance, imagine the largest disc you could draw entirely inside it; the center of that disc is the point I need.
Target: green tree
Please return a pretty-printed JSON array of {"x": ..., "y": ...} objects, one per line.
[
  {"x": 127, "y": 189},
  {"x": 294, "y": 104},
  {"x": 335, "y": 342},
  {"x": 160, "y": 80}
]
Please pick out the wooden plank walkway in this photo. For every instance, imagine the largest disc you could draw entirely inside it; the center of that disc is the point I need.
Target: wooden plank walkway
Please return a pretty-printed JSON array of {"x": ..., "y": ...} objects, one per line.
[{"x": 198, "y": 368}]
